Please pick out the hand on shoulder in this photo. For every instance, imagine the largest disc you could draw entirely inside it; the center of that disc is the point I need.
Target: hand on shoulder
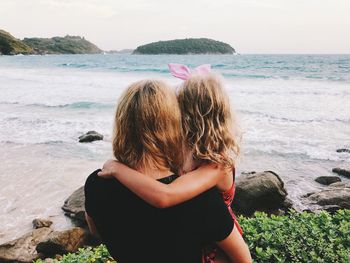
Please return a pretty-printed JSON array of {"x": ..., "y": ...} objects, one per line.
[{"x": 108, "y": 168}]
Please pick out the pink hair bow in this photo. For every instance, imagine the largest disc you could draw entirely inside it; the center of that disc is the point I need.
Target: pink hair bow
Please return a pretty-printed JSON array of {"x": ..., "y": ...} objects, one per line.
[{"x": 183, "y": 72}]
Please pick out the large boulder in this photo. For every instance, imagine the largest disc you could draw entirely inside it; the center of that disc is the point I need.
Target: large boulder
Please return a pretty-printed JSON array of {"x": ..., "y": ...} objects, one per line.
[
  {"x": 260, "y": 192},
  {"x": 341, "y": 171},
  {"x": 91, "y": 136},
  {"x": 23, "y": 249},
  {"x": 74, "y": 206},
  {"x": 330, "y": 199},
  {"x": 327, "y": 180},
  {"x": 62, "y": 242}
]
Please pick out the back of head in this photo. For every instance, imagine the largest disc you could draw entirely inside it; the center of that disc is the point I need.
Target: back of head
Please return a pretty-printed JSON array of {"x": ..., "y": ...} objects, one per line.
[
  {"x": 207, "y": 120},
  {"x": 147, "y": 129}
]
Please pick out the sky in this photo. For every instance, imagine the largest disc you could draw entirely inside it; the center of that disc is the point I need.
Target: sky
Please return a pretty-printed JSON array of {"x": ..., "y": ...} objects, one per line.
[{"x": 250, "y": 26}]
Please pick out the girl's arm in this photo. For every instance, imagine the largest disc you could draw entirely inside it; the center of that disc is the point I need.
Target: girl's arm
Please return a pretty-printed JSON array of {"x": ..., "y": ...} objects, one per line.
[{"x": 165, "y": 195}]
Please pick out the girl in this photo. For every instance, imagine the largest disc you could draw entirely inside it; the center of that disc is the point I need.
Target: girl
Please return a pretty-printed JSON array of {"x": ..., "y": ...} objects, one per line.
[{"x": 207, "y": 126}]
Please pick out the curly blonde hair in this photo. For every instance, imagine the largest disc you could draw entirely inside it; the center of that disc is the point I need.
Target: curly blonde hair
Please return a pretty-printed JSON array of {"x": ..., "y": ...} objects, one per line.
[
  {"x": 207, "y": 120},
  {"x": 147, "y": 127}
]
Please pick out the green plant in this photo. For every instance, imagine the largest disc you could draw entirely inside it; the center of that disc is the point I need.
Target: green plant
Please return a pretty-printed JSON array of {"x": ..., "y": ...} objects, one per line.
[
  {"x": 299, "y": 237},
  {"x": 98, "y": 254},
  {"x": 293, "y": 238}
]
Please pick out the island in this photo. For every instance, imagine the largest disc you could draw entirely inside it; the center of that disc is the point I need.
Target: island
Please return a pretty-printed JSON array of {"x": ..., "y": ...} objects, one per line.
[
  {"x": 186, "y": 46},
  {"x": 9, "y": 45}
]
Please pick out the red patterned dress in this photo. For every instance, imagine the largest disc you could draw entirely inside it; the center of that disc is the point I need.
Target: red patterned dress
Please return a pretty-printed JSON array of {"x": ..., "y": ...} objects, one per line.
[{"x": 210, "y": 251}]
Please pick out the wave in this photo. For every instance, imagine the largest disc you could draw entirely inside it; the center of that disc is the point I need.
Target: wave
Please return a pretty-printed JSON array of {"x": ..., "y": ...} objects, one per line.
[
  {"x": 304, "y": 154},
  {"x": 283, "y": 119},
  {"x": 74, "y": 105},
  {"x": 251, "y": 76},
  {"x": 76, "y": 65}
]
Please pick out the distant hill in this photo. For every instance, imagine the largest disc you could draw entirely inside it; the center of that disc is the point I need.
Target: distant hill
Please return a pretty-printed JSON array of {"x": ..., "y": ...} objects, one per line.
[
  {"x": 123, "y": 51},
  {"x": 9, "y": 45},
  {"x": 186, "y": 46},
  {"x": 62, "y": 45}
]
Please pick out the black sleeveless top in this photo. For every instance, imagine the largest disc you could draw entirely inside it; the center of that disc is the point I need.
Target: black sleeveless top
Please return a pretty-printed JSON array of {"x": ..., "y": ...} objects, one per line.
[{"x": 136, "y": 232}]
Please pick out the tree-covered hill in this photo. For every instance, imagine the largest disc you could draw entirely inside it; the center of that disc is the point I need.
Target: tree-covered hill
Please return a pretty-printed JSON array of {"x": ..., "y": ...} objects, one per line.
[
  {"x": 186, "y": 46},
  {"x": 62, "y": 45},
  {"x": 9, "y": 45}
]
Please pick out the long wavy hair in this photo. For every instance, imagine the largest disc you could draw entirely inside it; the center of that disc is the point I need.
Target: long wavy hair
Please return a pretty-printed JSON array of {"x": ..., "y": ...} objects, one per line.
[
  {"x": 209, "y": 126},
  {"x": 147, "y": 127}
]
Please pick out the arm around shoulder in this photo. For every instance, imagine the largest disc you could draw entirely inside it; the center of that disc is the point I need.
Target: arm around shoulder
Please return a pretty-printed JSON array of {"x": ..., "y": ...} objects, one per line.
[{"x": 161, "y": 195}]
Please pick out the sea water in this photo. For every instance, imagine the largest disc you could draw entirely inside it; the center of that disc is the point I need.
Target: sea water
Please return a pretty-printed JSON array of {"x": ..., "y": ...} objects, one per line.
[{"x": 294, "y": 111}]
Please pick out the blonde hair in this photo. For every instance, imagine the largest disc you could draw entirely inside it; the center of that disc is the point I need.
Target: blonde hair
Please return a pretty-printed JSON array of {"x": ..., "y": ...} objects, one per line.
[
  {"x": 207, "y": 120},
  {"x": 147, "y": 127}
]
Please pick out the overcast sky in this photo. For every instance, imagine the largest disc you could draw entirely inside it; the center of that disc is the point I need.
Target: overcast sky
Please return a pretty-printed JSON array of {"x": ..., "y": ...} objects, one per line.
[{"x": 250, "y": 26}]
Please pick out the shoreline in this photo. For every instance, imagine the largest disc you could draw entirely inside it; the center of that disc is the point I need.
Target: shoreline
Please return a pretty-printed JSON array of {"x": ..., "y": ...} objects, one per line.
[
  {"x": 74, "y": 172},
  {"x": 254, "y": 192},
  {"x": 58, "y": 177}
]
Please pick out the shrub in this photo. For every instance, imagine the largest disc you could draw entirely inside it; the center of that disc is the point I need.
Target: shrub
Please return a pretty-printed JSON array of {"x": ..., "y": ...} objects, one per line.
[
  {"x": 299, "y": 237},
  {"x": 98, "y": 254},
  {"x": 296, "y": 237}
]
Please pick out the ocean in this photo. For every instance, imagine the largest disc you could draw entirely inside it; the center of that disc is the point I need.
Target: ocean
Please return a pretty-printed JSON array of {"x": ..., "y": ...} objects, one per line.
[{"x": 294, "y": 111}]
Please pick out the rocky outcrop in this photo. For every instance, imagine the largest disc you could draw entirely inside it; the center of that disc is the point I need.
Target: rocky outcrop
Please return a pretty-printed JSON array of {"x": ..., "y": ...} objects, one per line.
[
  {"x": 260, "y": 192},
  {"x": 23, "y": 249},
  {"x": 74, "y": 206},
  {"x": 331, "y": 199},
  {"x": 343, "y": 172},
  {"x": 91, "y": 136},
  {"x": 327, "y": 180},
  {"x": 62, "y": 242},
  {"x": 39, "y": 223},
  {"x": 44, "y": 242}
]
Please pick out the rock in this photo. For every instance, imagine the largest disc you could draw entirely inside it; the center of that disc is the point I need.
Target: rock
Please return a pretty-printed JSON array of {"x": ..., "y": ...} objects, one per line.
[
  {"x": 337, "y": 184},
  {"x": 23, "y": 248},
  {"x": 327, "y": 180},
  {"x": 342, "y": 172},
  {"x": 74, "y": 206},
  {"x": 332, "y": 198},
  {"x": 62, "y": 242},
  {"x": 260, "y": 192},
  {"x": 343, "y": 150},
  {"x": 39, "y": 223},
  {"x": 91, "y": 136}
]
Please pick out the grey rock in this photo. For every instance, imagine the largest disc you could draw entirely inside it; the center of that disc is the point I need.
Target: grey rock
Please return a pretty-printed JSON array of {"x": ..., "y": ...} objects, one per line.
[
  {"x": 337, "y": 184},
  {"x": 327, "y": 180},
  {"x": 260, "y": 192},
  {"x": 62, "y": 242},
  {"x": 39, "y": 223},
  {"x": 23, "y": 249},
  {"x": 74, "y": 206},
  {"x": 331, "y": 198},
  {"x": 343, "y": 172},
  {"x": 91, "y": 136},
  {"x": 343, "y": 150}
]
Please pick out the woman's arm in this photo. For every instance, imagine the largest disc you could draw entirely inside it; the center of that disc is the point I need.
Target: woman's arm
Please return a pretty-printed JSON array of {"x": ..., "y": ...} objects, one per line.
[
  {"x": 235, "y": 247},
  {"x": 165, "y": 195}
]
